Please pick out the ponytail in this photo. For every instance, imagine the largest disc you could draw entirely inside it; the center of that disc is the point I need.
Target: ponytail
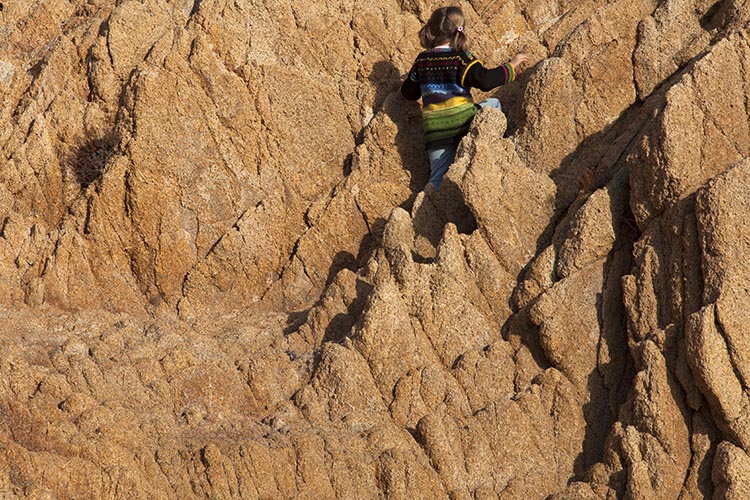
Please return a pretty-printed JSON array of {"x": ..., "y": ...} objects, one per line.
[
  {"x": 460, "y": 41},
  {"x": 446, "y": 25}
]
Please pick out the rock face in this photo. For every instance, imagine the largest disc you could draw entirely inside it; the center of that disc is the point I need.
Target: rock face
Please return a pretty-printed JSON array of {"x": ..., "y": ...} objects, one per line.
[{"x": 220, "y": 276}]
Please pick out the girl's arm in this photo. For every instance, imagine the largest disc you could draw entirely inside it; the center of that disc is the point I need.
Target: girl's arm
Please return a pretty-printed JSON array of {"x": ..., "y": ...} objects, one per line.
[
  {"x": 410, "y": 88},
  {"x": 487, "y": 79}
]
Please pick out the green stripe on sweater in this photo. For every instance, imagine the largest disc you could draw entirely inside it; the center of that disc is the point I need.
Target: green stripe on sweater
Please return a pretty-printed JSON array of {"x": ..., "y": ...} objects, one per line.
[{"x": 445, "y": 123}]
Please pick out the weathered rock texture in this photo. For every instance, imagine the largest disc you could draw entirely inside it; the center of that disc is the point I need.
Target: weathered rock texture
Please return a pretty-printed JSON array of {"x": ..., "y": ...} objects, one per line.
[{"x": 220, "y": 276}]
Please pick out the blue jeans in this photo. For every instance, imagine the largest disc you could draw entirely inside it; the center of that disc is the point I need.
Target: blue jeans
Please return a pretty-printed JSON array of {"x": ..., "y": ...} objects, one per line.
[{"x": 441, "y": 158}]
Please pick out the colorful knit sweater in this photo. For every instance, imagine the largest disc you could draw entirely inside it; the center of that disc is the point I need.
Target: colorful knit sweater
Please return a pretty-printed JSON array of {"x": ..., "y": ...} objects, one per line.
[{"x": 442, "y": 77}]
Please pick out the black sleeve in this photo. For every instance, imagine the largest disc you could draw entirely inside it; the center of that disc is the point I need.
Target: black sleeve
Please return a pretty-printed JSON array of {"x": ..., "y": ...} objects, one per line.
[
  {"x": 410, "y": 88},
  {"x": 487, "y": 79}
]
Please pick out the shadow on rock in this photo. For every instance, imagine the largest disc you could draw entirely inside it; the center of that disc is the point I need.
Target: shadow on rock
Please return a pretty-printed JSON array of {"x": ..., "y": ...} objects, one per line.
[
  {"x": 407, "y": 116},
  {"x": 341, "y": 325},
  {"x": 89, "y": 160}
]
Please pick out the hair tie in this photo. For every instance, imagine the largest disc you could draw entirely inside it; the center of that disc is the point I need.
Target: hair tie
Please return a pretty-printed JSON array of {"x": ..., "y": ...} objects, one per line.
[{"x": 460, "y": 29}]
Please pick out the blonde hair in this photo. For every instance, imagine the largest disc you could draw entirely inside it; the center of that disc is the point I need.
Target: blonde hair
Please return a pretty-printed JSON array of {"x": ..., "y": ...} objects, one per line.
[{"x": 445, "y": 26}]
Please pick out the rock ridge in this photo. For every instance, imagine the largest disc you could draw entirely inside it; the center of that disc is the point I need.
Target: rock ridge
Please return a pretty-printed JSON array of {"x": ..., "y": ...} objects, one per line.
[{"x": 221, "y": 277}]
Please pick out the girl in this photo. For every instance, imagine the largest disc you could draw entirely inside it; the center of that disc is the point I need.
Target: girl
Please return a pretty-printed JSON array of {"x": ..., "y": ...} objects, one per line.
[{"x": 442, "y": 76}]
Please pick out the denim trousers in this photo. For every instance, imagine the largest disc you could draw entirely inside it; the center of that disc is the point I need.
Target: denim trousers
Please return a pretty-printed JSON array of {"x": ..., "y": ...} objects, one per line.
[{"x": 441, "y": 158}]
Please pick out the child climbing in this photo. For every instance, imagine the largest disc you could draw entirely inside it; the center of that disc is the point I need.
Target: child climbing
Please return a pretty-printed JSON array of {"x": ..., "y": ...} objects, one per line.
[{"x": 442, "y": 76}]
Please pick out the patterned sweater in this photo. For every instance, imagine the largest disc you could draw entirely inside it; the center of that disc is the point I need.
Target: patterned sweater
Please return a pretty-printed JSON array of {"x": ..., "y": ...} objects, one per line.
[{"x": 442, "y": 77}]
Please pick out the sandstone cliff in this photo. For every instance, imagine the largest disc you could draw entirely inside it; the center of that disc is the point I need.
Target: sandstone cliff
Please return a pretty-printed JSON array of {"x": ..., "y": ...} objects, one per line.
[{"x": 220, "y": 276}]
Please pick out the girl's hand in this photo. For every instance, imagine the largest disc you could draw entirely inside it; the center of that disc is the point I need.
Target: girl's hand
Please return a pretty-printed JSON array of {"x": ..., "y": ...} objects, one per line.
[{"x": 520, "y": 58}]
